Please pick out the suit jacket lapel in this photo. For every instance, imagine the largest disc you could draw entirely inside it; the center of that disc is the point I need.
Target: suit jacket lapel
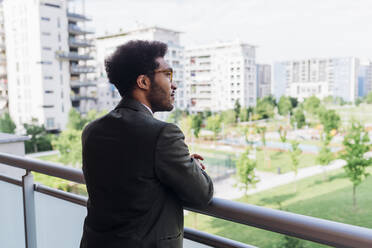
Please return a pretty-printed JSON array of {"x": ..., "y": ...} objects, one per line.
[{"x": 134, "y": 105}]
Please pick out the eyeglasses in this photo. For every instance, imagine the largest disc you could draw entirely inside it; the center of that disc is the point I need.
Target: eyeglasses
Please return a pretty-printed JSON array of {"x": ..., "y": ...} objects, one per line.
[{"x": 167, "y": 72}]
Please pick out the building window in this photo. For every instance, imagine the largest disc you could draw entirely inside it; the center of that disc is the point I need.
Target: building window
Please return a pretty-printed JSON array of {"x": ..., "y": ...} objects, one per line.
[
  {"x": 50, "y": 122},
  {"x": 47, "y": 48},
  {"x": 46, "y": 33},
  {"x": 48, "y": 106},
  {"x": 48, "y": 77},
  {"x": 47, "y": 19},
  {"x": 49, "y": 91},
  {"x": 58, "y": 22},
  {"x": 52, "y": 5}
]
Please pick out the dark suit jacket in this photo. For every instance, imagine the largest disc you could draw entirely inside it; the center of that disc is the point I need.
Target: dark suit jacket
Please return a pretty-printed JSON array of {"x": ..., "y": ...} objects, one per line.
[{"x": 139, "y": 175}]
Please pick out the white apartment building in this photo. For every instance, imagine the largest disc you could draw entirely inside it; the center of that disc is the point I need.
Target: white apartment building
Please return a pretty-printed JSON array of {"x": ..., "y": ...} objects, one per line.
[
  {"x": 365, "y": 79},
  {"x": 46, "y": 51},
  {"x": 263, "y": 80},
  {"x": 107, "y": 44},
  {"x": 218, "y": 75},
  {"x": 337, "y": 77},
  {"x": 3, "y": 73}
]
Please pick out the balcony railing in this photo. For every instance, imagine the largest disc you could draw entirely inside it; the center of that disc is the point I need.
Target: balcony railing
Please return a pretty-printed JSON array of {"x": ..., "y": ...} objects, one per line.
[
  {"x": 82, "y": 97},
  {"x": 78, "y": 84},
  {"x": 73, "y": 56},
  {"x": 74, "y": 29},
  {"x": 77, "y": 17},
  {"x": 32, "y": 197},
  {"x": 79, "y": 43},
  {"x": 80, "y": 69}
]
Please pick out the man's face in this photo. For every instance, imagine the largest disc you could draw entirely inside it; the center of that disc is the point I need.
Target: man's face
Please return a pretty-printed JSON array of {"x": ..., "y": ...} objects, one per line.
[{"x": 162, "y": 91}]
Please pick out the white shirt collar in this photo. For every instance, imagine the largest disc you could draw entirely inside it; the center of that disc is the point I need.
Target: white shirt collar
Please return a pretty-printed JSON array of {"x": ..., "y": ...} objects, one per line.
[{"x": 148, "y": 108}]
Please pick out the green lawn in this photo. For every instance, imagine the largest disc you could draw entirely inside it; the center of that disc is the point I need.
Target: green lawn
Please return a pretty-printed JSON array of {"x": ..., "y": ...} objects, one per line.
[
  {"x": 328, "y": 200},
  {"x": 282, "y": 160}
]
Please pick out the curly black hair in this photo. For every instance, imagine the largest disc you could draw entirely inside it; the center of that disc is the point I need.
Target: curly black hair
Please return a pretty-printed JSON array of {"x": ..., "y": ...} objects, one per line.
[{"x": 134, "y": 58}]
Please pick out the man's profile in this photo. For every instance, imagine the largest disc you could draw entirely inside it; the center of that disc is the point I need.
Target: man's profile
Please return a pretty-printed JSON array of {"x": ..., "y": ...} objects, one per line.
[{"x": 138, "y": 170}]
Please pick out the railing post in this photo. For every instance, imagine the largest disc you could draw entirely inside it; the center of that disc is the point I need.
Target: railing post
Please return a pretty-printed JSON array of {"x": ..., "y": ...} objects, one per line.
[{"x": 29, "y": 209}]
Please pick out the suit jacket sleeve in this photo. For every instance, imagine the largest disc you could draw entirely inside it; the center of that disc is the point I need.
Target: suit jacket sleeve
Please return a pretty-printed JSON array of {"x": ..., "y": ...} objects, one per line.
[{"x": 177, "y": 170}]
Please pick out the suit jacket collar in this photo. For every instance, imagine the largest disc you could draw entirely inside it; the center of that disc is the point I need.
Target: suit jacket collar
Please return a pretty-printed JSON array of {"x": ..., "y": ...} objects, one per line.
[{"x": 134, "y": 105}]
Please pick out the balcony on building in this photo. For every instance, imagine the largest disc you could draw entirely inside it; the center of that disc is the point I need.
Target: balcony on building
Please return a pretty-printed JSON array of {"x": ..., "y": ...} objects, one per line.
[
  {"x": 78, "y": 97},
  {"x": 73, "y": 56},
  {"x": 76, "y": 30},
  {"x": 79, "y": 84},
  {"x": 75, "y": 17},
  {"x": 81, "y": 69},
  {"x": 76, "y": 43}
]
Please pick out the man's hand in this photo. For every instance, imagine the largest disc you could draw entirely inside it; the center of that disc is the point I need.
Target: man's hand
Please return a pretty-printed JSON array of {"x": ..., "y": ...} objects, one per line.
[{"x": 197, "y": 157}]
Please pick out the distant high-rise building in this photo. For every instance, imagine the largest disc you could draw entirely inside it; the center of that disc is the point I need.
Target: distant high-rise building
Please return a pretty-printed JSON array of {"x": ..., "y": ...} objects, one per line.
[
  {"x": 107, "y": 44},
  {"x": 47, "y": 61},
  {"x": 337, "y": 77},
  {"x": 263, "y": 80},
  {"x": 218, "y": 75},
  {"x": 364, "y": 79}
]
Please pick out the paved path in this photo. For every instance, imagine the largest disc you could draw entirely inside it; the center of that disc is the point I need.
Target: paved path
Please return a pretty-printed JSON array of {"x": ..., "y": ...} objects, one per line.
[
  {"x": 41, "y": 154},
  {"x": 226, "y": 188}
]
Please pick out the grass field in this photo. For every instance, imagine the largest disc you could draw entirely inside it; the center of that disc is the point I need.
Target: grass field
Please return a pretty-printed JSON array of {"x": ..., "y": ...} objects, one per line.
[{"x": 330, "y": 200}]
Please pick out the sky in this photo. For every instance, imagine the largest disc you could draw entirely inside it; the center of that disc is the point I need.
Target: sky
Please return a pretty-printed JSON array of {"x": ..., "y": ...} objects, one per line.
[{"x": 281, "y": 29}]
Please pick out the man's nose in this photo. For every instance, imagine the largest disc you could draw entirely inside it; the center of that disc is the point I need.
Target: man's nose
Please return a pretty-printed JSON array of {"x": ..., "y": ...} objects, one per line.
[{"x": 174, "y": 85}]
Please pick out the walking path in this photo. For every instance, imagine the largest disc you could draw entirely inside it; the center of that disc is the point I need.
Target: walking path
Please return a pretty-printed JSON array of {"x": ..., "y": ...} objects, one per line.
[{"x": 226, "y": 188}]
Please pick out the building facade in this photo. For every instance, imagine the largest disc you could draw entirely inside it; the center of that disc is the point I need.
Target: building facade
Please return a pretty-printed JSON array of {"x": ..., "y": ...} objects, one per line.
[
  {"x": 263, "y": 73},
  {"x": 364, "y": 79},
  {"x": 220, "y": 74},
  {"x": 3, "y": 71},
  {"x": 337, "y": 77},
  {"x": 46, "y": 58},
  {"x": 107, "y": 44}
]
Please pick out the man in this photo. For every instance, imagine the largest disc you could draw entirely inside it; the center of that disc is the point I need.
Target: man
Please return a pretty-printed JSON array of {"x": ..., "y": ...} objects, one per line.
[{"x": 137, "y": 169}]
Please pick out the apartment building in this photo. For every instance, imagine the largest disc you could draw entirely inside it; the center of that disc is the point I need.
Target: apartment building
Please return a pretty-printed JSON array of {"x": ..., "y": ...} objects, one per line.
[
  {"x": 337, "y": 77},
  {"x": 263, "y": 80},
  {"x": 364, "y": 79},
  {"x": 107, "y": 44},
  {"x": 47, "y": 60},
  {"x": 217, "y": 75},
  {"x": 3, "y": 73}
]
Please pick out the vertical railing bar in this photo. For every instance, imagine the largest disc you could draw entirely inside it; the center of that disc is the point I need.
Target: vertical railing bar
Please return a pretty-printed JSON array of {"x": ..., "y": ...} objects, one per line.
[{"x": 29, "y": 209}]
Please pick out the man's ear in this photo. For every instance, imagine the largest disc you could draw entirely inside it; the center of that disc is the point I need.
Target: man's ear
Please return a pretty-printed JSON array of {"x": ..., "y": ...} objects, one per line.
[{"x": 143, "y": 82}]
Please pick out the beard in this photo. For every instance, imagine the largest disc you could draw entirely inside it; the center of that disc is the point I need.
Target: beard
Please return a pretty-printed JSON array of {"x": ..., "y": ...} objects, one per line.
[{"x": 159, "y": 98}]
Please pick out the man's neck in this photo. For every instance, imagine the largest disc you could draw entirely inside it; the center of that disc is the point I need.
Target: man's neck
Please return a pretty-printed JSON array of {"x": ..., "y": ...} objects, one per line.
[{"x": 144, "y": 103}]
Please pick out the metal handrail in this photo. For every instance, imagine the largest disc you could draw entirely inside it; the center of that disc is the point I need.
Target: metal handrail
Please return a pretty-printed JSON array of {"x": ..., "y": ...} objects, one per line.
[{"x": 305, "y": 227}]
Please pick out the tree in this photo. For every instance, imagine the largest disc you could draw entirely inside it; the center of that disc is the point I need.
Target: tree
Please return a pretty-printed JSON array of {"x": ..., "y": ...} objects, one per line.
[
  {"x": 284, "y": 106},
  {"x": 356, "y": 143},
  {"x": 298, "y": 117},
  {"x": 245, "y": 170},
  {"x": 243, "y": 115},
  {"x": 228, "y": 117},
  {"x": 69, "y": 145},
  {"x": 294, "y": 102},
  {"x": 214, "y": 124},
  {"x": 77, "y": 122},
  {"x": 265, "y": 108},
  {"x": 237, "y": 108},
  {"x": 312, "y": 104},
  {"x": 7, "y": 125},
  {"x": 196, "y": 123},
  {"x": 175, "y": 116},
  {"x": 369, "y": 98},
  {"x": 295, "y": 153},
  {"x": 39, "y": 140},
  {"x": 186, "y": 125},
  {"x": 330, "y": 121},
  {"x": 282, "y": 134}
]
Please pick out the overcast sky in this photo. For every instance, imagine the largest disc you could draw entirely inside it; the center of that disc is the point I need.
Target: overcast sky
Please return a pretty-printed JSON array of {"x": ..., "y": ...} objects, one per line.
[{"x": 281, "y": 29}]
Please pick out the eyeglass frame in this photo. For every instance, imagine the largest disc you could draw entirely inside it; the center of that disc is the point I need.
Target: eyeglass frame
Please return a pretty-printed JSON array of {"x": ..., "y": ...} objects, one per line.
[{"x": 169, "y": 70}]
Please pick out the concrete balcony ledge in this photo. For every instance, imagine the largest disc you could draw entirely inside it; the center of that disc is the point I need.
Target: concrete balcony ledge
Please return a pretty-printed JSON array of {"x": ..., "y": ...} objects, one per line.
[
  {"x": 73, "y": 56},
  {"x": 77, "y": 17},
  {"x": 78, "y": 84},
  {"x": 80, "y": 43},
  {"x": 82, "y": 69},
  {"x": 74, "y": 29}
]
